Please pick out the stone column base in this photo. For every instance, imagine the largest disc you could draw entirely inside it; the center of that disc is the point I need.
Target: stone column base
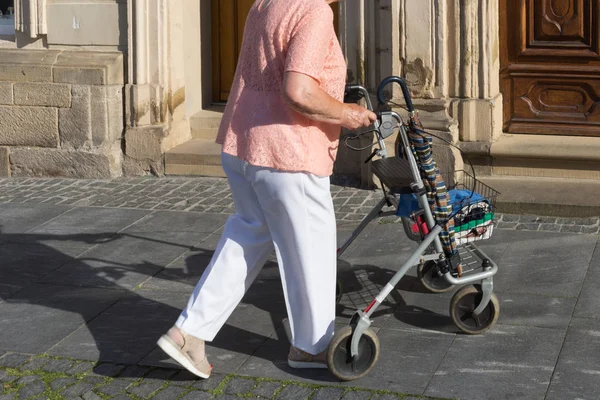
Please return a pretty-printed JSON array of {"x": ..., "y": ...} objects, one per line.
[{"x": 144, "y": 151}]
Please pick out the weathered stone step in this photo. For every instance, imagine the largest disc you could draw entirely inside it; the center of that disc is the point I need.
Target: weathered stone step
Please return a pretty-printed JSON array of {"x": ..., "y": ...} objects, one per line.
[
  {"x": 205, "y": 124},
  {"x": 197, "y": 157},
  {"x": 546, "y": 196}
]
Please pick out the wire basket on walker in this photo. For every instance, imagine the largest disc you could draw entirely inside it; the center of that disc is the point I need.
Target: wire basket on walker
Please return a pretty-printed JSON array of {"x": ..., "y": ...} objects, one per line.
[{"x": 446, "y": 221}]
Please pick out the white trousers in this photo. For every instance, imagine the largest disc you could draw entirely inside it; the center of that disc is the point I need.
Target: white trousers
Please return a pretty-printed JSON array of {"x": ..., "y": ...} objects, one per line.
[{"x": 291, "y": 213}]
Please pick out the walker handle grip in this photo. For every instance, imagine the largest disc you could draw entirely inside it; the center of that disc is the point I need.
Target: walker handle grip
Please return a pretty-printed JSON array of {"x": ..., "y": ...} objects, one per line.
[{"x": 403, "y": 85}]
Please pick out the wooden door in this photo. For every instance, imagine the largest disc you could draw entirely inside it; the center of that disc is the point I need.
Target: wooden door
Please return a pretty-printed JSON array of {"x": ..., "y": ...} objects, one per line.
[
  {"x": 550, "y": 66},
  {"x": 228, "y": 20}
]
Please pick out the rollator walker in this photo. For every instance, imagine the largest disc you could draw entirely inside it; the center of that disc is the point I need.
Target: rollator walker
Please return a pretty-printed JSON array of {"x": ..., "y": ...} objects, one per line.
[{"x": 474, "y": 308}]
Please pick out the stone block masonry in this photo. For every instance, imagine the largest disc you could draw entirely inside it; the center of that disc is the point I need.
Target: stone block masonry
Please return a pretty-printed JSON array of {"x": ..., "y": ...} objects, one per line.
[
  {"x": 29, "y": 126},
  {"x": 6, "y": 93},
  {"x": 42, "y": 94},
  {"x": 4, "y": 162},
  {"x": 61, "y": 113}
]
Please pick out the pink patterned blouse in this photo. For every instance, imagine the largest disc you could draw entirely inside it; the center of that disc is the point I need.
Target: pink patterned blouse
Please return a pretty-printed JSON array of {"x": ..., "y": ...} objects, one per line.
[{"x": 257, "y": 125}]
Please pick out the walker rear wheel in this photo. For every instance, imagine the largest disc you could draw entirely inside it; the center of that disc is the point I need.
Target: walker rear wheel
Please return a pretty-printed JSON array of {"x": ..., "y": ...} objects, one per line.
[
  {"x": 464, "y": 302},
  {"x": 339, "y": 358},
  {"x": 430, "y": 280}
]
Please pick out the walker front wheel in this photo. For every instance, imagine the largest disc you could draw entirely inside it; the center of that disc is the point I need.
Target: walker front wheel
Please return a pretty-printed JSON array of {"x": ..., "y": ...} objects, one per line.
[
  {"x": 464, "y": 302},
  {"x": 339, "y": 358},
  {"x": 430, "y": 279}
]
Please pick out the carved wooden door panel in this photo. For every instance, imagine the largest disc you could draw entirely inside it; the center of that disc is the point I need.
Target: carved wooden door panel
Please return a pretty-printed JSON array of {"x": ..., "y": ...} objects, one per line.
[{"x": 550, "y": 66}]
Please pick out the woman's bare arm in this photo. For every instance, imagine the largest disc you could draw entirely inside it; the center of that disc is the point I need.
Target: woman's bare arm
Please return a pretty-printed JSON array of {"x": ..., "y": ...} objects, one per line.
[{"x": 304, "y": 95}]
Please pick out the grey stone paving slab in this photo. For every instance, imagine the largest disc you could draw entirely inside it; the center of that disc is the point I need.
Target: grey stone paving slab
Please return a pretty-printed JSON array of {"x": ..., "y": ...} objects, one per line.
[
  {"x": 532, "y": 310},
  {"x": 431, "y": 311},
  {"x": 271, "y": 360},
  {"x": 361, "y": 283},
  {"x": 84, "y": 220},
  {"x": 537, "y": 264},
  {"x": 239, "y": 386},
  {"x": 407, "y": 361},
  {"x": 329, "y": 393},
  {"x": 80, "y": 228},
  {"x": 169, "y": 393},
  {"x": 21, "y": 264},
  {"x": 160, "y": 375},
  {"x": 80, "y": 368},
  {"x": 121, "y": 397},
  {"x": 198, "y": 395},
  {"x": 213, "y": 383},
  {"x": 114, "y": 388},
  {"x": 5, "y": 377},
  {"x": 266, "y": 389},
  {"x": 27, "y": 379},
  {"x": 345, "y": 230},
  {"x": 94, "y": 379},
  {"x": 107, "y": 369},
  {"x": 20, "y": 218},
  {"x": 578, "y": 369},
  {"x": 115, "y": 337},
  {"x": 133, "y": 373},
  {"x": 58, "y": 384},
  {"x": 59, "y": 309},
  {"x": 508, "y": 362},
  {"x": 91, "y": 396},
  {"x": 186, "y": 379},
  {"x": 76, "y": 390},
  {"x": 14, "y": 360},
  {"x": 295, "y": 392},
  {"x": 57, "y": 365},
  {"x": 172, "y": 221},
  {"x": 183, "y": 274},
  {"x": 32, "y": 389},
  {"x": 8, "y": 290},
  {"x": 124, "y": 261},
  {"x": 422, "y": 311},
  {"x": 249, "y": 326},
  {"x": 384, "y": 242},
  {"x": 359, "y": 395},
  {"x": 390, "y": 397},
  {"x": 145, "y": 389},
  {"x": 588, "y": 305},
  {"x": 35, "y": 364}
]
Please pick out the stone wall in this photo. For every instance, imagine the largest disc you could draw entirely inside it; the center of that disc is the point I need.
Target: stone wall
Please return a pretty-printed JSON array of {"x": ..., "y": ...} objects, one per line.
[{"x": 61, "y": 113}]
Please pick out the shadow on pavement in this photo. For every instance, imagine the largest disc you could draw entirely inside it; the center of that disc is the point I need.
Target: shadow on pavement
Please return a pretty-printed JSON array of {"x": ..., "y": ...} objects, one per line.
[{"x": 121, "y": 325}]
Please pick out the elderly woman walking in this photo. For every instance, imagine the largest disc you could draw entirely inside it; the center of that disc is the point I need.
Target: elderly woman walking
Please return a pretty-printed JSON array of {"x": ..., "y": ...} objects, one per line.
[{"x": 279, "y": 133}]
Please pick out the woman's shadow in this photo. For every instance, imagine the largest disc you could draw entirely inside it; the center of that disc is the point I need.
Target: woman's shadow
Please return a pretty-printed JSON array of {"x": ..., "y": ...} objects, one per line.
[{"x": 121, "y": 325}]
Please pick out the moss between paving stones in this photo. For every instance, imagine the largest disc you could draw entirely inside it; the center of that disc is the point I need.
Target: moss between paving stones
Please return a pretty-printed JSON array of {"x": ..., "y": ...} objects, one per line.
[{"x": 89, "y": 383}]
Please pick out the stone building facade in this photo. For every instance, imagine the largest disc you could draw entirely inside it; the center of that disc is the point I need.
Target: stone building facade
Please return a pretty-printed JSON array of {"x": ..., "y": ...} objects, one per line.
[{"x": 104, "y": 88}]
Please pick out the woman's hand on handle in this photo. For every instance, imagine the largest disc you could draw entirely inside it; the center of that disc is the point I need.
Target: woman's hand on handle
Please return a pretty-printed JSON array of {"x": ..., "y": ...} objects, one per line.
[{"x": 355, "y": 117}]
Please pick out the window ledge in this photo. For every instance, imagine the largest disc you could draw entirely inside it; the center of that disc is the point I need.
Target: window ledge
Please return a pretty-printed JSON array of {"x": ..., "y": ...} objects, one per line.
[
  {"x": 7, "y": 41},
  {"x": 7, "y": 31}
]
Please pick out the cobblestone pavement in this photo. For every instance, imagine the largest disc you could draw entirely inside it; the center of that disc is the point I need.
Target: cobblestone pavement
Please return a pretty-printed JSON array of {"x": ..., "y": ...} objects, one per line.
[
  {"x": 24, "y": 376},
  {"x": 212, "y": 195}
]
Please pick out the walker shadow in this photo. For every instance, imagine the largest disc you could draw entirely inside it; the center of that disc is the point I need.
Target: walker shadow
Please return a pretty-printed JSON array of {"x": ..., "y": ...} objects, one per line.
[
  {"x": 121, "y": 323},
  {"x": 362, "y": 283}
]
